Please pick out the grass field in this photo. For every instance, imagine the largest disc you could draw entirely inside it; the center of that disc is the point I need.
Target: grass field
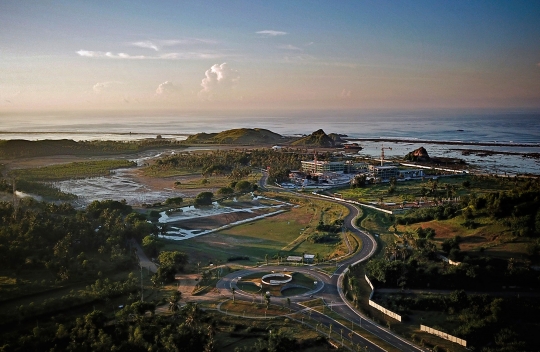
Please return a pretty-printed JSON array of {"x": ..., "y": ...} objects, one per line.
[
  {"x": 197, "y": 181},
  {"x": 269, "y": 238},
  {"x": 237, "y": 332},
  {"x": 412, "y": 190},
  {"x": 72, "y": 170}
]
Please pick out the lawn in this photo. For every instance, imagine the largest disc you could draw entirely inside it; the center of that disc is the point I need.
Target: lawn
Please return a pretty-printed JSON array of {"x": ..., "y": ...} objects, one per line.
[
  {"x": 269, "y": 238},
  {"x": 72, "y": 170},
  {"x": 414, "y": 189}
]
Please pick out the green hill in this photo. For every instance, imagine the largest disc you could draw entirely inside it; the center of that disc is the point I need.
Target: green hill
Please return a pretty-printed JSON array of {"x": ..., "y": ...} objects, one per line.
[
  {"x": 244, "y": 136},
  {"x": 316, "y": 139}
]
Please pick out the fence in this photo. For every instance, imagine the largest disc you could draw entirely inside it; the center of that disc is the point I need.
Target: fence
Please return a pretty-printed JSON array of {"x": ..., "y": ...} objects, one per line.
[
  {"x": 356, "y": 203},
  {"x": 378, "y": 306},
  {"x": 443, "y": 335}
]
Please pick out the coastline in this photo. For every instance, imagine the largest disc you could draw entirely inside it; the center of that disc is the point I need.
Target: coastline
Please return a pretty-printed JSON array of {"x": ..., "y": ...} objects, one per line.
[{"x": 430, "y": 141}]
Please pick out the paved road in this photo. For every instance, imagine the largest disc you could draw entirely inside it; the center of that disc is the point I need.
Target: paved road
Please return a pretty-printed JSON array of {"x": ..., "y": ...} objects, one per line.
[
  {"x": 329, "y": 289},
  {"x": 143, "y": 259}
]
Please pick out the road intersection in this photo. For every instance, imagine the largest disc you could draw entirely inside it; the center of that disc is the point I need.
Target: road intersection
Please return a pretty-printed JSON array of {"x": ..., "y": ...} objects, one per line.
[{"x": 329, "y": 288}]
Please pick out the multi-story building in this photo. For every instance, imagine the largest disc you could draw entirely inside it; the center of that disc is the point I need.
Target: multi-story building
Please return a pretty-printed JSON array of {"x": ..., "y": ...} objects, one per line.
[
  {"x": 317, "y": 166},
  {"x": 383, "y": 172}
]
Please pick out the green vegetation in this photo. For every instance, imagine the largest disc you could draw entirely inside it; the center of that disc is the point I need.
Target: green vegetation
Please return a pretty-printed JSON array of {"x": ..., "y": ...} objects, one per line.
[
  {"x": 274, "y": 237},
  {"x": 240, "y": 136},
  {"x": 204, "y": 198},
  {"x": 227, "y": 163},
  {"x": 51, "y": 252},
  {"x": 492, "y": 230},
  {"x": 72, "y": 170},
  {"x": 11, "y": 149},
  {"x": 44, "y": 190},
  {"x": 316, "y": 139}
]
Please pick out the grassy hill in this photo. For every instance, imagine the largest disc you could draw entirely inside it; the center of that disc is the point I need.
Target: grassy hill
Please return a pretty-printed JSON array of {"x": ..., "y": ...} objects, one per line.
[
  {"x": 247, "y": 136},
  {"x": 10, "y": 149},
  {"x": 317, "y": 139}
]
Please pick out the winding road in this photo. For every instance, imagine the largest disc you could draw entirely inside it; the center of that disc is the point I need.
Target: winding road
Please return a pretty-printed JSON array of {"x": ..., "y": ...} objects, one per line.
[{"x": 329, "y": 289}]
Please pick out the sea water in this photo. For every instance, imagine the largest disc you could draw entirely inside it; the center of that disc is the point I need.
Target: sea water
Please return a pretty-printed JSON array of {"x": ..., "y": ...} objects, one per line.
[{"x": 510, "y": 132}]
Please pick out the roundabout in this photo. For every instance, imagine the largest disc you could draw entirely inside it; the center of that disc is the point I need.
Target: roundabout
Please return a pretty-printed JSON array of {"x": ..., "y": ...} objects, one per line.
[
  {"x": 276, "y": 279},
  {"x": 280, "y": 283},
  {"x": 327, "y": 287}
]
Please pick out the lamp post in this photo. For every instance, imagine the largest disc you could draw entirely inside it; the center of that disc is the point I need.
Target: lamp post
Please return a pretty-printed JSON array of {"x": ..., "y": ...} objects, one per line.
[{"x": 142, "y": 292}]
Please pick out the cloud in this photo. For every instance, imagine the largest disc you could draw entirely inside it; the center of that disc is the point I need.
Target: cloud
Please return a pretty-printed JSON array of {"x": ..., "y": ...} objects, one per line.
[
  {"x": 219, "y": 82},
  {"x": 167, "y": 89},
  {"x": 101, "y": 87},
  {"x": 271, "y": 33},
  {"x": 108, "y": 54},
  {"x": 190, "y": 55},
  {"x": 167, "y": 56},
  {"x": 146, "y": 44},
  {"x": 289, "y": 47},
  {"x": 86, "y": 53},
  {"x": 158, "y": 45}
]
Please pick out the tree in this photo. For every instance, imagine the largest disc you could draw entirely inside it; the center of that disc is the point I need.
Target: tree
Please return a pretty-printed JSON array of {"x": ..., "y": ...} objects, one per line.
[
  {"x": 151, "y": 245},
  {"x": 224, "y": 191},
  {"x": 267, "y": 300},
  {"x": 173, "y": 302},
  {"x": 204, "y": 198},
  {"x": 174, "y": 259},
  {"x": 358, "y": 181},
  {"x": 174, "y": 201},
  {"x": 233, "y": 290},
  {"x": 243, "y": 186}
]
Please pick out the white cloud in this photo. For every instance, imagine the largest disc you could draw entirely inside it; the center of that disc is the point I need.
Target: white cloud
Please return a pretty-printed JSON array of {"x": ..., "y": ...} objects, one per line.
[
  {"x": 87, "y": 53},
  {"x": 146, "y": 44},
  {"x": 219, "y": 82},
  {"x": 190, "y": 55},
  {"x": 108, "y": 54},
  {"x": 167, "y": 56},
  {"x": 271, "y": 33},
  {"x": 158, "y": 45},
  {"x": 289, "y": 47},
  {"x": 101, "y": 87},
  {"x": 167, "y": 88}
]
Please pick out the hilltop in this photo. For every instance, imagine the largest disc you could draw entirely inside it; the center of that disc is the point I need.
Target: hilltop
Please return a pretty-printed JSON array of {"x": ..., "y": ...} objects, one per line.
[
  {"x": 317, "y": 139},
  {"x": 237, "y": 136}
]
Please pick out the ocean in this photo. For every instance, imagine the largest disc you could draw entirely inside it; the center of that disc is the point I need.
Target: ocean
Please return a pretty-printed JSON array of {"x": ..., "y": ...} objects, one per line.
[{"x": 508, "y": 132}]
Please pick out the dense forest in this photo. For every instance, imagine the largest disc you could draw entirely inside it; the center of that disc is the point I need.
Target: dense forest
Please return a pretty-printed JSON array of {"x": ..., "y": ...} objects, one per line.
[{"x": 224, "y": 162}]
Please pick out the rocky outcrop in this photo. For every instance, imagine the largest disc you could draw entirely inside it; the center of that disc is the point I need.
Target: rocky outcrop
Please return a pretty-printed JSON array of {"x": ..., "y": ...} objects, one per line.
[
  {"x": 317, "y": 139},
  {"x": 419, "y": 154}
]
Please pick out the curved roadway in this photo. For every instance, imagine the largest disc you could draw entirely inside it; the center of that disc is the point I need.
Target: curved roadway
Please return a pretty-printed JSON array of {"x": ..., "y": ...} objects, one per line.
[{"x": 329, "y": 289}]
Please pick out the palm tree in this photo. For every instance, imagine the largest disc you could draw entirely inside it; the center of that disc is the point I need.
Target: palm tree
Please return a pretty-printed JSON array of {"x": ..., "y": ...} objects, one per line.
[
  {"x": 233, "y": 292},
  {"x": 267, "y": 301},
  {"x": 173, "y": 303}
]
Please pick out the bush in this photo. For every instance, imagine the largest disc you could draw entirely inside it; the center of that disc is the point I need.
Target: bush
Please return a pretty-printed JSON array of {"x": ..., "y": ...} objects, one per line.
[
  {"x": 223, "y": 191},
  {"x": 243, "y": 186},
  {"x": 174, "y": 200},
  {"x": 204, "y": 198}
]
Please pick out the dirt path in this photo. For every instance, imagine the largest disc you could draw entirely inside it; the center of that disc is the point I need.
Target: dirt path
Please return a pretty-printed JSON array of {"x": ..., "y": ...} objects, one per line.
[{"x": 143, "y": 259}]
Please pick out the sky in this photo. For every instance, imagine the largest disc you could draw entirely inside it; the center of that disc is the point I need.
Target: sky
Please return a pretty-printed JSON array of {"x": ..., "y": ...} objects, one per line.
[{"x": 140, "y": 55}]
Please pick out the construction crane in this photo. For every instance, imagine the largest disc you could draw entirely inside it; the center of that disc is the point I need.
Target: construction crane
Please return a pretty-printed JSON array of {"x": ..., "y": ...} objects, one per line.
[{"x": 382, "y": 153}]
